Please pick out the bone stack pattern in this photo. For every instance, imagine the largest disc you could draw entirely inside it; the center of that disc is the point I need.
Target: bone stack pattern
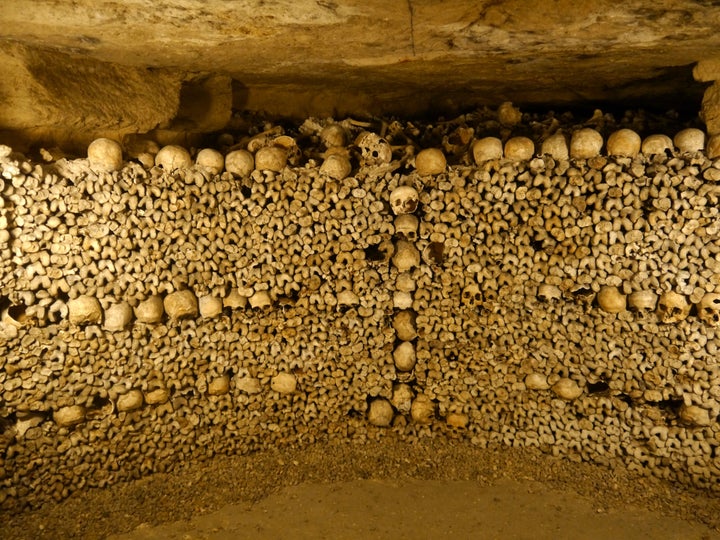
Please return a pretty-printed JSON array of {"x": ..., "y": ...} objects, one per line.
[{"x": 482, "y": 281}]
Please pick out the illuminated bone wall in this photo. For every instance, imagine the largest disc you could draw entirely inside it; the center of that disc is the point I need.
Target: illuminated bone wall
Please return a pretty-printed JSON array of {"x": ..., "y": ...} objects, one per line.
[{"x": 163, "y": 305}]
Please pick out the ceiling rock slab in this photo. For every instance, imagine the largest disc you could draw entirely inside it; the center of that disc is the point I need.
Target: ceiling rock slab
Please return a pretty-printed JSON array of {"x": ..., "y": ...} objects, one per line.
[{"x": 124, "y": 66}]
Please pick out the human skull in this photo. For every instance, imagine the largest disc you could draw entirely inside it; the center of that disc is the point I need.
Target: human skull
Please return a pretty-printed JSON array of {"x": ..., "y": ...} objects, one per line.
[
  {"x": 457, "y": 141},
  {"x": 672, "y": 307},
  {"x": 118, "y": 317},
  {"x": 708, "y": 309},
  {"x": 642, "y": 302},
  {"x": 430, "y": 161},
  {"x": 422, "y": 410},
  {"x": 402, "y": 397},
  {"x": 404, "y": 356},
  {"x": 519, "y": 149},
  {"x": 105, "y": 155},
  {"x": 240, "y": 163},
  {"x": 181, "y": 304},
  {"x": 336, "y": 166},
  {"x": 151, "y": 310},
  {"x": 555, "y": 146},
  {"x": 235, "y": 300},
  {"x": 210, "y": 306},
  {"x": 380, "y": 412},
  {"x": 656, "y": 144},
  {"x": 567, "y": 389},
  {"x": 405, "y": 325},
  {"x": 694, "y": 415},
  {"x": 84, "y": 310},
  {"x": 585, "y": 143},
  {"x": 690, "y": 140},
  {"x": 406, "y": 226},
  {"x": 402, "y": 300},
  {"x": 271, "y": 158},
  {"x": 548, "y": 293},
  {"x": 508, "y": 114},
  {"x": 210, "y": 159},
  {"x": 611, "y": 300},
  {"x": 69, "y": 416},
  {"x": 406, "y": 256},
  {"x": 374, "y": 150},
  {"x": 130, "y": 401},
  {"x": 487, "y": 149},
  {"x": 260, "y": 300},
  {"x": 536, "y": 381},
  {"x": 471, "y": 295},
  {"x": 290, "y": 145},
  {"x": 333, "y": 135},
  {"x": 405, "y": 282},
  {"x": 284, "y": 383},
  {"x": 624, "y": 142},
  {"x": 404, "y": 200},
  {"x": 173, "y": 157}
]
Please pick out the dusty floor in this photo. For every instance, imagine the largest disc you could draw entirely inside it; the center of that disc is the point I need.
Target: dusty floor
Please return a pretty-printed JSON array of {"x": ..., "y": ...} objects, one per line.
[{"x": 381, "y": 489}]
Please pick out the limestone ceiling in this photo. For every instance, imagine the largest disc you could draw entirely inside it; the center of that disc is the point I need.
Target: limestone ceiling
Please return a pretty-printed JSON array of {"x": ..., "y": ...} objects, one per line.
[{"x": 129, "y": 60}]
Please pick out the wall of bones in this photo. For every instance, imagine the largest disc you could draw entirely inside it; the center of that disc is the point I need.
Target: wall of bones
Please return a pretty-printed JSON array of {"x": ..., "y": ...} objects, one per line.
[{"x": 526, "y": 286}]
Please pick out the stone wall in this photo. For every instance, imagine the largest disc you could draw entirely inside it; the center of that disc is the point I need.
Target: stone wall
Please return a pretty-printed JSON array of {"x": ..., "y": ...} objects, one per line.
[{"x": 296, "y": 285}]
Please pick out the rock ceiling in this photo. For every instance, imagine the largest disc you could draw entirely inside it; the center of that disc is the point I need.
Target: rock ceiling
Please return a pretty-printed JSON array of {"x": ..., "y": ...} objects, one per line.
[{"x": 74, "y": 70}]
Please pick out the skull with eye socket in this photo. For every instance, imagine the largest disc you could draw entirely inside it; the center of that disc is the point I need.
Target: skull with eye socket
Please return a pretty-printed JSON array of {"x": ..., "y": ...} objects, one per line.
[
  {"x": 374, "y": 150},
  {"x": 406, "y": 226},
  {"x": 642, "y": 303},
  {"x": 549, "y": 294},
  {"x": 260, "y": 301},
  {"x": 471, "y": 296},
  {"x": 708, "y": 309},
  {"x": 672, "y": 308},
  {"x": 404, "y": 200}
]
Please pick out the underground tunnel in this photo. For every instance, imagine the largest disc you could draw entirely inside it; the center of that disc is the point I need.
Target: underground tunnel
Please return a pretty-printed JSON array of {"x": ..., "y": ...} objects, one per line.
[{"x": 247, "y": 247}]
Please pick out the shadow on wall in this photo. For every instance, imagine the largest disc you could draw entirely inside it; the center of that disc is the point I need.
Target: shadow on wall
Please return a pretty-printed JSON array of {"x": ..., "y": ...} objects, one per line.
[{"x": 53, "y": 98}]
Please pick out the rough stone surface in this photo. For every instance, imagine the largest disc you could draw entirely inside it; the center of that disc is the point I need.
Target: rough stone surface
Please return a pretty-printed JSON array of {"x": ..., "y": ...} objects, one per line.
[{"x": 71, "y": 71}]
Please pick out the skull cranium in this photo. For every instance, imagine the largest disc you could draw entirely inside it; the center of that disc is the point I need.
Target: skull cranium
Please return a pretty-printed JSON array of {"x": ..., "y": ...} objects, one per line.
[
  {"x": 471, "y": 295},
  {"x": 708, "y": 309},
  {"x": 642, "y": 302},
  {"x": 404, "y": 200},
  {"x": 374, "y": 150},
  {"x": 260, "y": 300},
  {"x": 549, "y": 293},
  {"x": 611, "y": 300},
  {"x": 406, "y": 226},
  {"x": 672, "y": 307}
]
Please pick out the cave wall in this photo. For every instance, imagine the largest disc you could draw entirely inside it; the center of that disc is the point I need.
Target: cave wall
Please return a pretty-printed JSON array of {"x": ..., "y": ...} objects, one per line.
[{"x": 155, "y": 315}]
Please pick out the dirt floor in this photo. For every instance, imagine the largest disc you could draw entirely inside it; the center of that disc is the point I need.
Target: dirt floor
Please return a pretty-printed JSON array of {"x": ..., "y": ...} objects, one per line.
[{"x": 382, "y": 489}]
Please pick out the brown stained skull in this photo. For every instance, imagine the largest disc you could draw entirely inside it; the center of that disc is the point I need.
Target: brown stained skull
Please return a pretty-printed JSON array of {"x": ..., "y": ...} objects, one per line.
[
  {"x": 471, "y": 296},
  {"x": 672, "y": 308},
  {"x": 374, "y": 150},
  {"x": 708, "y": 309}
]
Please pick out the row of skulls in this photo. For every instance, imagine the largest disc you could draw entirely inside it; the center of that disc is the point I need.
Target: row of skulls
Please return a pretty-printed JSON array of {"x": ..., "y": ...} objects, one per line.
[{"x": 670, "y": 307}]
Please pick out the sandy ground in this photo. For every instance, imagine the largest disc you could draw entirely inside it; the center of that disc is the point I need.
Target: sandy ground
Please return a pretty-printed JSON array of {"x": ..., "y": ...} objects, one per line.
[
  {"x": 425, "y": 509},
  {"x": 382, "y": 489}
]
